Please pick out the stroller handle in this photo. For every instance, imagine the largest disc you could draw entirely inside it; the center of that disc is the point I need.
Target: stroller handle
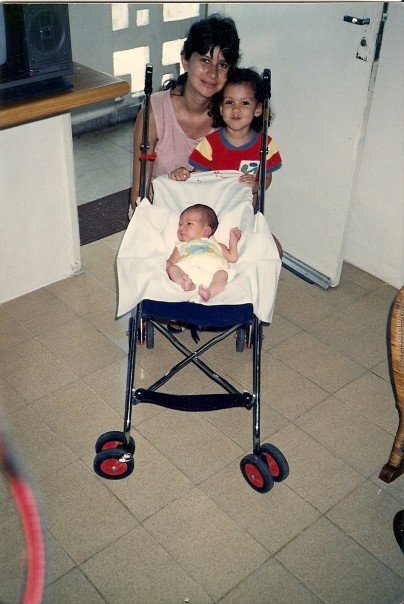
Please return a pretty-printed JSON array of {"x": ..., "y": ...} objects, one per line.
[
  {"x": 148, "y": 80},
  {"x": 266, "y": 76}
]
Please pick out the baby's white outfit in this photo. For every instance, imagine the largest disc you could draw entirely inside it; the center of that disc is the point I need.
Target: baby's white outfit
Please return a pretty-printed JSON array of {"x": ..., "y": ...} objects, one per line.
[{"x": 201, "y": 258}]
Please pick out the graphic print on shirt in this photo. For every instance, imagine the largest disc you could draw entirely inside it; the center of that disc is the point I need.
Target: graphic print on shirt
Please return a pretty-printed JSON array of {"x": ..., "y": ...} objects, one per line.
[{"x": 248, "y": 167}]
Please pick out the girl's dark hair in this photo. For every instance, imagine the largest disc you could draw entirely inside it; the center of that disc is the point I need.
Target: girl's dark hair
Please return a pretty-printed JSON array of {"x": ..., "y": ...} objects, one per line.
[
  {"x": 250, "y": 77},
  {"x": 203, "y": 37}
]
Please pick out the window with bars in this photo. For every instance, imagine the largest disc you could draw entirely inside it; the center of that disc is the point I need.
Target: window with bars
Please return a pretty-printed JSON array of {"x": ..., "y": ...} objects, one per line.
[{"x": 152, "y": 33}]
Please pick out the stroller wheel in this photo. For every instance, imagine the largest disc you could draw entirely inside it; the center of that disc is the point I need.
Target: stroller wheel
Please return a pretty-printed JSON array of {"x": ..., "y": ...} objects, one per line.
[
  {"x": 276, "y": 461},
  {"x": 244, "y": 337},
  {"x": 113, "y": 464},
  {"x": 240, "y": 339},
  {"x": 149, "y": 335},
  {"x": 141, "y": 331},
  {"x": 145, "y": 333},
  {"x": 114, "y": 440},
  {"x": 257, "y": 473}
]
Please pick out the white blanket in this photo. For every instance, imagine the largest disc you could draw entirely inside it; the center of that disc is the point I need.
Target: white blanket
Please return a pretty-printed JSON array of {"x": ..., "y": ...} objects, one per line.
[{"x": 151, "y": 236}]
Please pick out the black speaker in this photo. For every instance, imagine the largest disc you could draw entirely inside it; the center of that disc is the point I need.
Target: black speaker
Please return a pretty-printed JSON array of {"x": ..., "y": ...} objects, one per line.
[{"x": 38, "y": 45}]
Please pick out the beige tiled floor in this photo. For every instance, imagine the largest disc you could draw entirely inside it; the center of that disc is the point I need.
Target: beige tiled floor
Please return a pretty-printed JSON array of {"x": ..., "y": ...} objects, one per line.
[{"x": 185, "y": 526}]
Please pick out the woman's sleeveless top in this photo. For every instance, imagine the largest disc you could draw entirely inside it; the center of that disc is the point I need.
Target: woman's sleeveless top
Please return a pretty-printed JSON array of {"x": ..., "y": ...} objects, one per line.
[{"x": 173, "y": 147}]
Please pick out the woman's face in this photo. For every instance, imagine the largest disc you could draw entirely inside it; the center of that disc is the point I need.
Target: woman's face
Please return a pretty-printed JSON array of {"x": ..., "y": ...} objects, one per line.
[{"x": 206, "y": 74}]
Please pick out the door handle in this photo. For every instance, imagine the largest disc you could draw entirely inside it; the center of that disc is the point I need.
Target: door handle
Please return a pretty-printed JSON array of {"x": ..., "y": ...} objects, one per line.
[{"x": 356, "y": 20}]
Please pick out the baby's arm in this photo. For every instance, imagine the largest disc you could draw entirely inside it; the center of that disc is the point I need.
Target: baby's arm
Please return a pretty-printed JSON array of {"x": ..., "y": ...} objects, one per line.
[
  {"x": 231, "y": 253},
  {"x": 179, "y": 174}
]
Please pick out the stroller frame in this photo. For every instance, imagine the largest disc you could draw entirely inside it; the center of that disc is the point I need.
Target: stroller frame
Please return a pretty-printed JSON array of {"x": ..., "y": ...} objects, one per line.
[{"x": 115, "y": 450}]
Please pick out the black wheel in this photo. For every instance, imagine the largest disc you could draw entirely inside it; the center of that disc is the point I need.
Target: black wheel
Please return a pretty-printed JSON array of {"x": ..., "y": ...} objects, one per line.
[
  {"x": 276, "y": 461},
  {"x": 141, "y": 332},
  {"x": 113, "y": 464},
  {"x": 240, "y": 339},
  {"x": 114, "y": 440},
  {"x": 249, "y": 337},
  {"x": 149, "y": 335},
  {"x": 257, "y": 473}
]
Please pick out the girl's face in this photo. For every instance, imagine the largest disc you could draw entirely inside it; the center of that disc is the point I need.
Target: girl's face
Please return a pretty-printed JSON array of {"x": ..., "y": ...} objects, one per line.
[
  {"x": 206, "y": 74},
  {"x": 192, "y": 226},
  {"x": 239, "y": 106}
]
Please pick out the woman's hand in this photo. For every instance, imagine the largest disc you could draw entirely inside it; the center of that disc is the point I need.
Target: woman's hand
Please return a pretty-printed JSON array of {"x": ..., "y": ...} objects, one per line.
[{"x": 179, "y": 174}]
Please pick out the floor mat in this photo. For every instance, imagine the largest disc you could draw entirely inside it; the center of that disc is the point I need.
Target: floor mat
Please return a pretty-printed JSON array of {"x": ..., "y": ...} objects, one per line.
[{"x": 103, "y": 217}]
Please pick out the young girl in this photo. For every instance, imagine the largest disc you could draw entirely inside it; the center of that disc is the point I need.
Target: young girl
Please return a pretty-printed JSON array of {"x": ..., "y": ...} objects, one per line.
[
  {"x": 198, "y": 259},
  {"x": 236, "y": 146}
]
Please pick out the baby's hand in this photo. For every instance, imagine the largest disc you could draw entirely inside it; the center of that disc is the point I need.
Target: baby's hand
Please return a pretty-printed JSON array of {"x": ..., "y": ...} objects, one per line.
[
  {"x": 179, "y": 174},
  {"x": 235, "y": 234},
  {"x": 250, "y": 180}
]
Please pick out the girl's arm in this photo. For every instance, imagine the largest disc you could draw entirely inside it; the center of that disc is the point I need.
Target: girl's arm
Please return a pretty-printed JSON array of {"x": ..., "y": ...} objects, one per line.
[
  {"x": 231, "y": 253},
  {"x": 252, "y": 182},
  {"x": 137, "y": 140}
]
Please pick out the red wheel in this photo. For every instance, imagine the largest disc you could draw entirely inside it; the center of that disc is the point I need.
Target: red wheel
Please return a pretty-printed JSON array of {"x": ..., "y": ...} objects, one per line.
[
  {"x": 257, "y": 473},
  {"x": 276, "y": 461},
  {"x": 114, "y": 440},
  {"x": 113, "y": 464}
]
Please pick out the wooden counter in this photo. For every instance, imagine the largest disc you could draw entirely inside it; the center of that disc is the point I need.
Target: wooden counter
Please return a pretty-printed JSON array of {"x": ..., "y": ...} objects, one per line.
[{"x": 89, "y": 87}]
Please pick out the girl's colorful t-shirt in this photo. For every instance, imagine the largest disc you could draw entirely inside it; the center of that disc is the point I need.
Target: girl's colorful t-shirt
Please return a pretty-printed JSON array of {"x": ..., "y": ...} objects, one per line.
[{"x": 214, "y": 152}]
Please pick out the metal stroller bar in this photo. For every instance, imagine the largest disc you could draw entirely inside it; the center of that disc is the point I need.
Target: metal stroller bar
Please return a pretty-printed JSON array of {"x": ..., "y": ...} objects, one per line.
[
  {"x": 144, "y": 146},
  {"x": 266, "y": 76},
  {"x": 193, "y": 357}
]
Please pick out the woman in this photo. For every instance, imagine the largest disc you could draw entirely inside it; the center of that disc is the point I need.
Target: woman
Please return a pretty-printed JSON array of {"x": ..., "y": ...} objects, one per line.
[{"x": 180, "y": 116}]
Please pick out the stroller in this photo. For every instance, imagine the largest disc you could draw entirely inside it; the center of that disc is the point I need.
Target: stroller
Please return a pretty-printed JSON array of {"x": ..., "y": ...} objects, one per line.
[{"x": 154, "y": 301}]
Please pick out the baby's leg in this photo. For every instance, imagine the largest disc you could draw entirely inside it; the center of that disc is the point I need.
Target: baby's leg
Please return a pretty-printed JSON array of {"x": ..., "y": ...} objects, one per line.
[
  {"x": 216, "y": 286},
  {"x": 177, "y": 275}
]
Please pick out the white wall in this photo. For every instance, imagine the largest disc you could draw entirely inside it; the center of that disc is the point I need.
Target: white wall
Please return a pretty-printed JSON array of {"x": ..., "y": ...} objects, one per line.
[
  {"x": 319, "y": 90},
  {"x": 375, "y": 237}
]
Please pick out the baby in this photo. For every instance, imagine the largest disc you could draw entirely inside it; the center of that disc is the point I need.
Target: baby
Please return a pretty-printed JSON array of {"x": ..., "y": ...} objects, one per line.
[{"x": 197, "y": 257}]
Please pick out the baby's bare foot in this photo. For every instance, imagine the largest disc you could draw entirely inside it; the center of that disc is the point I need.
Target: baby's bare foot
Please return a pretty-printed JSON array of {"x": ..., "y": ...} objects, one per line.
[
  {"x": 187, "y": 284},
  {"x": 204, "y": 293}
]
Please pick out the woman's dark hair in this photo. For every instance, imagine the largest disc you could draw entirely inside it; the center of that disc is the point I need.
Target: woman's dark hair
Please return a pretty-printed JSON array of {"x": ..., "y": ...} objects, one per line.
[
  {"x": 249, "y": 77},
  {"x": 206, "y": 35},
  {"x": 214, "y": 31}
]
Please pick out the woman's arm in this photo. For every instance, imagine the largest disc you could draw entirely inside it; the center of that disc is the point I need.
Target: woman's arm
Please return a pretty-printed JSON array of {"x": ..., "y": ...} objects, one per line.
[{"x": 137, "y": 140}]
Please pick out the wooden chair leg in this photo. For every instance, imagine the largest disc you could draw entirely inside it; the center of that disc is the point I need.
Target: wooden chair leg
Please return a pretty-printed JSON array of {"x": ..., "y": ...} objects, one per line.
[{"x": 395, "y": 465}]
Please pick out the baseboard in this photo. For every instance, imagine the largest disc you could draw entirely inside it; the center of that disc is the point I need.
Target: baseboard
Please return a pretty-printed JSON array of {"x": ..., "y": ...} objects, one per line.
[
  {"x": 302, "y": 270},
  {"x": 115, "y": 117}
]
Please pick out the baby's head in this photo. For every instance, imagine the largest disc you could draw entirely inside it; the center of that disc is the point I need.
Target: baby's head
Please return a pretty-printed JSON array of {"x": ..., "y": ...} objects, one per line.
[{"x": 197, "y": 221}]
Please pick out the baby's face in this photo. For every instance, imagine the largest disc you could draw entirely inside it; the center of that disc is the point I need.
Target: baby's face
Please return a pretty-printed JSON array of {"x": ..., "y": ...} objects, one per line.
[{"x": 192, "y": 225}]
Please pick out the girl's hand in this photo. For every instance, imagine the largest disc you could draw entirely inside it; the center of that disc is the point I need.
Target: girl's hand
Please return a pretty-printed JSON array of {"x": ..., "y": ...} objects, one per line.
[
  {"x": 235, "y": 234},
  {"x": 179, "y": 174},
  {"x": 250, "y": 180}
]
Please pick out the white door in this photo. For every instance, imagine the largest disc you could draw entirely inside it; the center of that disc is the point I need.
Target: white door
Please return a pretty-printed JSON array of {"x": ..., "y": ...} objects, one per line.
[{"x": 319, "y": 95}]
